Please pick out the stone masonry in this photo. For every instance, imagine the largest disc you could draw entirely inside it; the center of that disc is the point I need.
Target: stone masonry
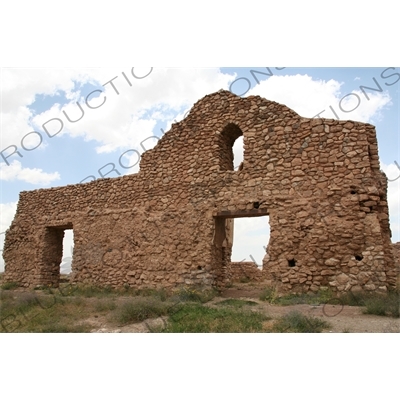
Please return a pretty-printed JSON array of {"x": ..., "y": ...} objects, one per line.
[
  {"x": 396, "y": 255},
  {"x": 245, "y": 271},
  {"x": 171, "y": 224}
]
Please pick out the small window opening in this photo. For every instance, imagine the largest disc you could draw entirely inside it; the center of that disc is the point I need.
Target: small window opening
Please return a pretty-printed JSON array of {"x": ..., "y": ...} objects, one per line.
[
  {"x": 292, "y": 263},
  {"x": 358, "y": 257}
]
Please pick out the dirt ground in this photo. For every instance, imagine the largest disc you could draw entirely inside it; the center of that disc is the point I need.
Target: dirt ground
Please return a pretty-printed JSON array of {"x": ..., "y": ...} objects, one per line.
[{"x": 343, "y": 319}]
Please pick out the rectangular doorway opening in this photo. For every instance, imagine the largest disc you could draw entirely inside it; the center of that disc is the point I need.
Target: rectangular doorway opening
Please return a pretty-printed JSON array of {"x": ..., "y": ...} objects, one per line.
[
  {"x": 240, "y": 243},
  {"x": 250, "y": 240},
  {"x": 56, "y": 257}
]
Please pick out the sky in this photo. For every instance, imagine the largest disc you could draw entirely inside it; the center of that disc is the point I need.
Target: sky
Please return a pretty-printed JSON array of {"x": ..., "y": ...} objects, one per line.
[{"x": 63, "y": 126}]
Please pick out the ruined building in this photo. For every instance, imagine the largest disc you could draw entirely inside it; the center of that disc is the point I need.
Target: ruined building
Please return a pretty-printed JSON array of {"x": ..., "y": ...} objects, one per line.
[{"x": 171, "y": 224}]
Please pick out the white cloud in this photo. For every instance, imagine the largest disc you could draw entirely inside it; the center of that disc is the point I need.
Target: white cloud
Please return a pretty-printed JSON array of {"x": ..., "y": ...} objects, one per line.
[
  {"x": 302, "y": 93},
  {"x": 365, "y": 110},
  {"x": 124, "y": 120},
  {"x": 130, "y": 117},
  {"x": 127, "y": 118},
  {"x": 21, "y": 85},
  {"x": 309, "y": 97},
  {"x": 393, "y": 172},
  {"x": 7, "y": 212},
  {"x": 15, "y": 171},
  {"x": 19, "y": 88}
]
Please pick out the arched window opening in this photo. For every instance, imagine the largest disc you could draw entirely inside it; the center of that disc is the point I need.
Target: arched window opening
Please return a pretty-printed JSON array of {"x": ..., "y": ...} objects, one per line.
[{"x": 228, "y": 153}]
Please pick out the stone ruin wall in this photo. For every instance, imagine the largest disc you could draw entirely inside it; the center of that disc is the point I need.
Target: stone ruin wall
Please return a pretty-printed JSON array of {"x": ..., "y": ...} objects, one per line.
[
  {"x": 245, "y": 271},
  {"x": 396, "y": 255},
  {"x": 172, "y": 223}
]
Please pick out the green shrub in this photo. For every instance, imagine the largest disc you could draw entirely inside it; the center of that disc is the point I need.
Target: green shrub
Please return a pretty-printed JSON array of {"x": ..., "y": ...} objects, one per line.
[
  {"x": 90, "y": 291},
  {"x": 237, "y": 303},
  {"x": 161, "y": 294},
  {"x": 140, "y": 309},
  {"x": 6, "y": 295},
  {"x": 199, "y": 295},
  {"x": 354, "y": 298},
  {"x": 105, "y": 305},
  {"x": 375, "y": 303},
  {"x": 375, "y": 306},
  {"x": 297, "y": 322},
  {"x": 197, "y": 318},
  {"x": 9, "y": 285},
  {"x": 321, "y": 297},
  {"x": 269, "y": 294},
  {"x": 393, "y": 304},
  {"x": 383, "y": 304},
  {"x": 25, "y": 301}
]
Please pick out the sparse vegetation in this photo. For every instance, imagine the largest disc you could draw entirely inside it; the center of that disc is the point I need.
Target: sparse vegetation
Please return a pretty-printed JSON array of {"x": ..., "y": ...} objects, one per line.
[
  {"x": 375, "y": 303},
  {"x": 38, "y": 312},
  {"x": 105, "y": 305},
  {"x": 269, "y": 294},
  {"x": 196, "y": 294},
  {"x": 372, "y": 303},
  {"x": 9, "y": 285},
  {"x": 140, "y": 309},
  {"x": 88, "y": 291},
  {"x": 237, "y": 303},
  {"x": 294, "y": 321},
  {"x": 321, "y": 297},
  {"x": 188, "y": 309},
  {"x": 161, "y": 294},
  {"x": 388, "y": 305},
  {"x": 198, "y": 318}
]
